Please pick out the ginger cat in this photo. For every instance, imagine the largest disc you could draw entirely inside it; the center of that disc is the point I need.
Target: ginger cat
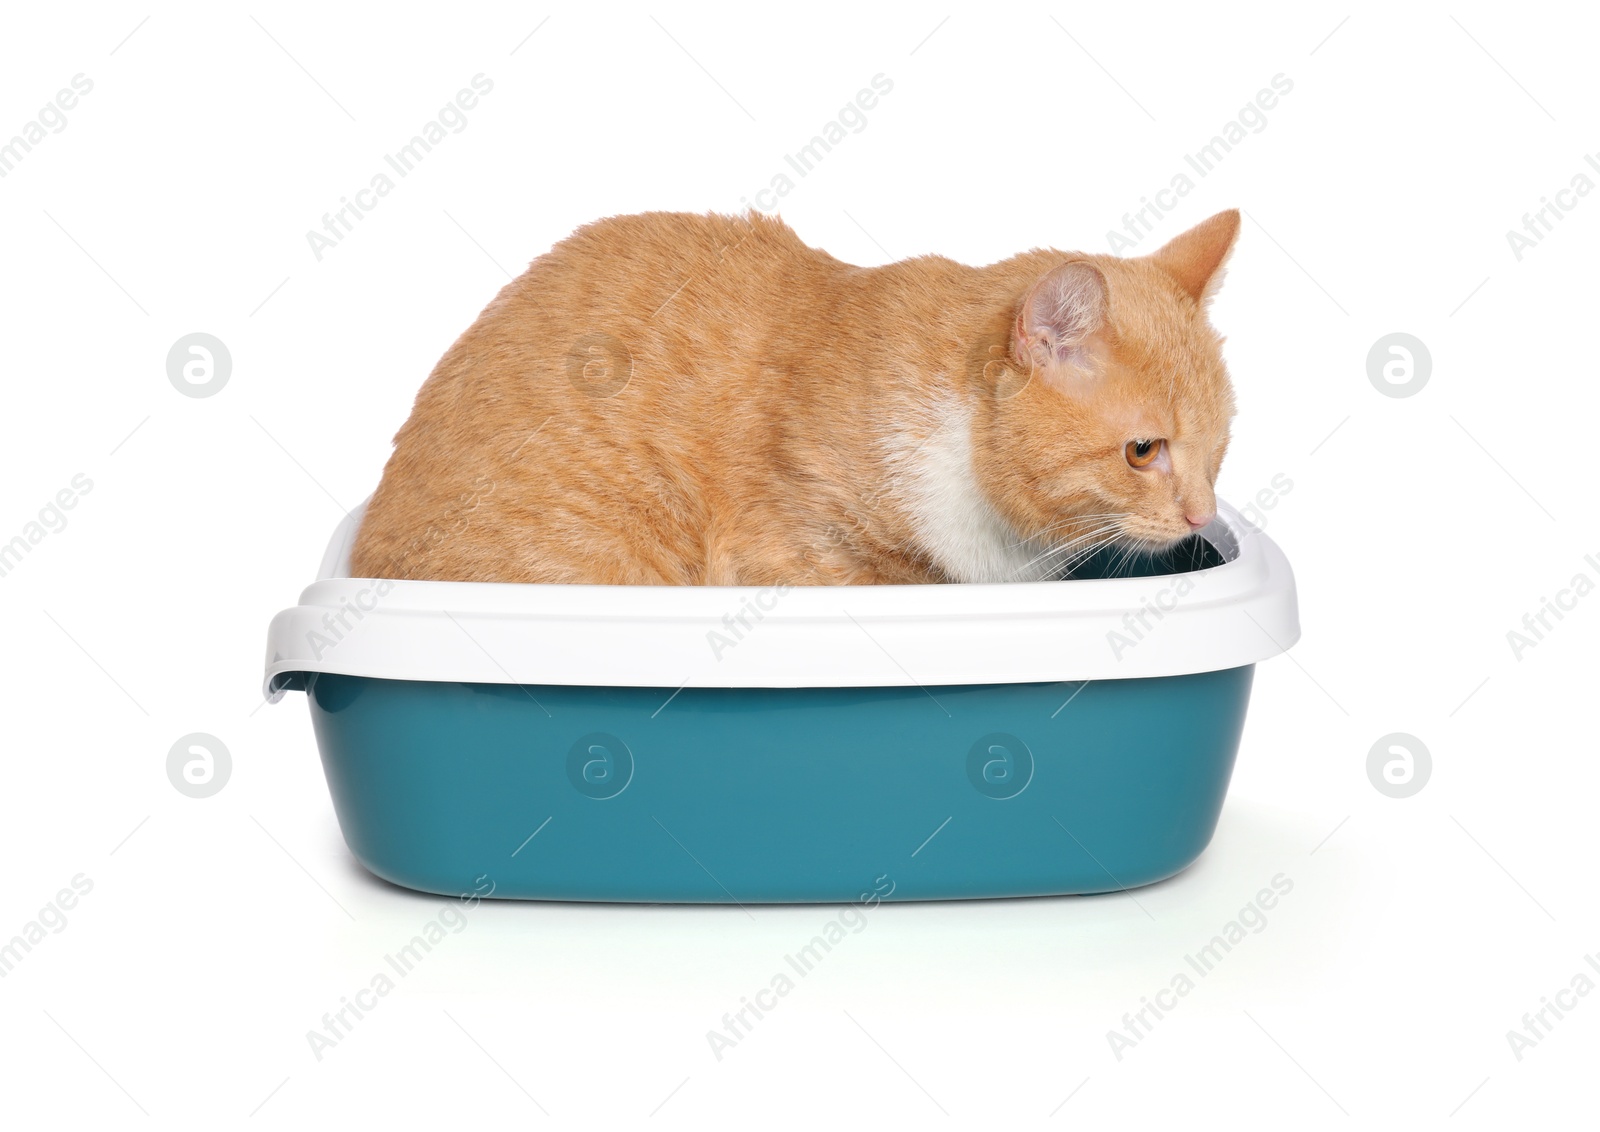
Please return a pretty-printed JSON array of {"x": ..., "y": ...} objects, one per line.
[{"x": 672, "y": 399}]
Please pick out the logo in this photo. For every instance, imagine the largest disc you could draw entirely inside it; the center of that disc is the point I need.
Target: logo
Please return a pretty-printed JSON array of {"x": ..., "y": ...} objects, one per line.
[
  {"x": 1000, "y": 766},
  {"x": 600, "y": 765}
]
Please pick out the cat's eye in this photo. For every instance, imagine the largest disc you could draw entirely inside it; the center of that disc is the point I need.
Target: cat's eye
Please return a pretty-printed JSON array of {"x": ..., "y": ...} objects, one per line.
[{"x": 1142, "y": 453}]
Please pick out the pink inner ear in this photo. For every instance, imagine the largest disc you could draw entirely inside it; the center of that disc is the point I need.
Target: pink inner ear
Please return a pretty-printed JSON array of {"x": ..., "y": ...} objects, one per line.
[{"x": 1061, "y": 313}]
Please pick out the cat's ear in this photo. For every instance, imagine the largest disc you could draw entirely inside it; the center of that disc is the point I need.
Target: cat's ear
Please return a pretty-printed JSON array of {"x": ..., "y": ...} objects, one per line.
[
  {"x": 1059, "y": 320},
  {"x": 1196, "y": 258}
]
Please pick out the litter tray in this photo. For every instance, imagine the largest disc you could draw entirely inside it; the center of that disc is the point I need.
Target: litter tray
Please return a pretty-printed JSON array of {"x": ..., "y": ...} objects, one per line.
[{"x": 830, "y": 744}]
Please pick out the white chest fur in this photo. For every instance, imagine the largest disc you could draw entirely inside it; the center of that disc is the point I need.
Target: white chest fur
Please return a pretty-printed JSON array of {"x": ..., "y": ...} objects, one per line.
[{"x": 931, "y": 477}]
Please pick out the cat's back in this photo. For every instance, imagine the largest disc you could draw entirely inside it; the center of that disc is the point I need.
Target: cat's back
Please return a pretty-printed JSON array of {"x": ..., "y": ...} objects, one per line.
[
  {"x": 606, "y": 387},
  {"x": 650, "y": 260},
  {"x": 665, "y": 295}
]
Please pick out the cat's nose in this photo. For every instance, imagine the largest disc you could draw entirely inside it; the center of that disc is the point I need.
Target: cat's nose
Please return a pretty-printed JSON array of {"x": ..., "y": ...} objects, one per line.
[{"x": 1198, "y": 521}]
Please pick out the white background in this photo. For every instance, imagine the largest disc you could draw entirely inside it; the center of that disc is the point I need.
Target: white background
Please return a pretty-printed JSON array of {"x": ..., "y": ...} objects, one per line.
[{"x": 219, "y": 931}]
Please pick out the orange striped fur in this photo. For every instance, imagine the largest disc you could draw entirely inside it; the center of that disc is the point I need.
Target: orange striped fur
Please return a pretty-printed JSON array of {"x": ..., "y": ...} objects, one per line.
[{"x": 704, "y": 400}]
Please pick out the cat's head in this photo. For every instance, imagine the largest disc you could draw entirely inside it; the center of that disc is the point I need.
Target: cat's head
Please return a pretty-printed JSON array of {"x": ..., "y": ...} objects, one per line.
[{"x": 1112, "y": 420}]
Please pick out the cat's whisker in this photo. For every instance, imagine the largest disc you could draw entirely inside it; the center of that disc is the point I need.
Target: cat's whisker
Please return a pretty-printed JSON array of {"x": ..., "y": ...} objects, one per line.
[
  {"x": 1126, "y": 558},
  {"x": 1070, "y": 521},
  {"x": 1059, "y": 548},
  {"x": 1067, "y": 563},
  {"x": 1111, "y": 529},
  {"x": 1067, "y": 568},
  {"x": 1093, "y": 524},
  {"x": 1041, "y": 559},
  {"x": 1138, "y": 546},
  {"x": 1093, "y": 532},
  {"x": 1112, "y": 539},
  {"x": 1077, "y": 549}
]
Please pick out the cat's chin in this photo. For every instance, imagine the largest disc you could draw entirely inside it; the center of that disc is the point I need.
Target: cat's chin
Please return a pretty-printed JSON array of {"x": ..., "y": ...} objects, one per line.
[{"x": 1155, "y": 542}]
